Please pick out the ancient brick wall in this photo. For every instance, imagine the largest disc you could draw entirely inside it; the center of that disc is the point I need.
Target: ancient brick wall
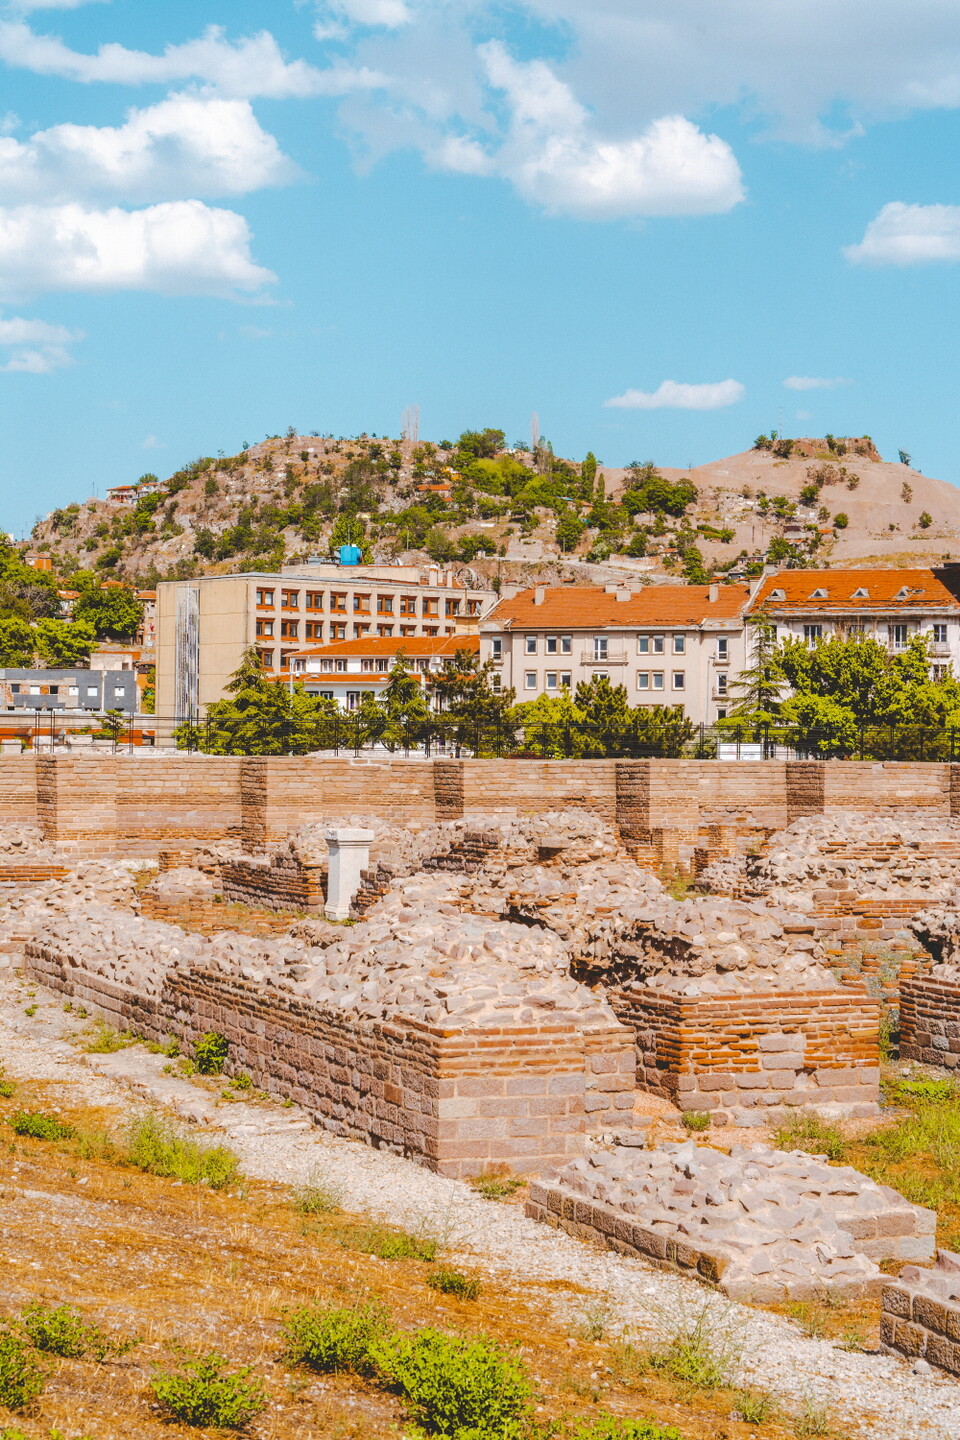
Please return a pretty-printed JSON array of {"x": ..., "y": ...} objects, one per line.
[
  {"x": 208, "y": 917},
  {"x": 280, "y": 883},
  {"x": 741, "y": 1056},
  {"x": 457, "y": 1101},
  {"x": 19, "y": 789},
  {"x": 930, "y": 1022}
]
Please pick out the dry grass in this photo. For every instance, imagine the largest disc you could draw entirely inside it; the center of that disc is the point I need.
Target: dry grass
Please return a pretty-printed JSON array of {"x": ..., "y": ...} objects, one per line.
[{"x": 180, "y": 1265}]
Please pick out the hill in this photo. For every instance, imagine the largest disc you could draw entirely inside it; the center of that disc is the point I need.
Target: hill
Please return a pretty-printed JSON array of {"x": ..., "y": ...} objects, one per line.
[{"x": 511, "y": 514}]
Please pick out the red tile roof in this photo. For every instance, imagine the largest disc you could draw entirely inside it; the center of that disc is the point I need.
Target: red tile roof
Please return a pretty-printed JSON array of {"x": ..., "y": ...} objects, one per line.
[
  {"x": 417, "y": 647},
  {"x": 583, "y": 607},
  {"x": 853, "y": 590}
]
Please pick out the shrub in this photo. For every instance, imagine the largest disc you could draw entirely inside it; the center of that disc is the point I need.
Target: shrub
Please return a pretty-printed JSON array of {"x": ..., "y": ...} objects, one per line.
[
  {"x": 841, "y": 521},
  {"x": 22, "y": 1377},
  {"x": 199, "y": 1393},
  {"x": 808, "y": 1132},
  {"x": 157, "y": 1148},
  {"x": 612, "y": 1427},
  {"x": 454, "y": 1282},
  {"x": 463, "y": 1389},
  {"x": 210, "y": 1052},
  {"x": 926, "y": 520},
  {"x": 337, "y": 1339},
  {"x": 696, "y": 1120},
  {"x": 39, "y": 1125},
  {"x": 62, "y": 1330},
  {"x": 7, "y": 1087}
]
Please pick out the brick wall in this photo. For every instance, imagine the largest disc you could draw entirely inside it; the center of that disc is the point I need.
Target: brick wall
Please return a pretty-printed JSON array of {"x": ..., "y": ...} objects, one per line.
[
  {"x": 207, "y": 917},
  {"x": 745, "y": 1057},
  {"x": 457, "y": 1101},
  {"x": 930, "y": 1022},
  {"x": 280, "y": 883}
]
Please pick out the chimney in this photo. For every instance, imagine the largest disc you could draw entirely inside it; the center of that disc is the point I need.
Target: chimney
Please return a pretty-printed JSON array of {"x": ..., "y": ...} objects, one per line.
[
  {"x": 714, "y": 594},
  {"x": 539, "y": 595},
  {"x": 621, "y": 595}
]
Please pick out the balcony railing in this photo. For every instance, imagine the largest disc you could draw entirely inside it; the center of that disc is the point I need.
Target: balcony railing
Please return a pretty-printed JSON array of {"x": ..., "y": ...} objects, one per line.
[{"x": 614, "y": 656}]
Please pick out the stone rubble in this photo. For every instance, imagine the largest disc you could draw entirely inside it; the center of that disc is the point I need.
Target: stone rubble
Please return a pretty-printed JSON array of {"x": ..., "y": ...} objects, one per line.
[
  {"x": 779, "y": 1226},
  {"x": 181, "y": 885},
  {"x": 25, "y": 842}
]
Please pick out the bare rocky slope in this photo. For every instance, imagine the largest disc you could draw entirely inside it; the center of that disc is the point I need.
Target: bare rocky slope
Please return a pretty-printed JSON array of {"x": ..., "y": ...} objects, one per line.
[{"x": 290, "y": 498}]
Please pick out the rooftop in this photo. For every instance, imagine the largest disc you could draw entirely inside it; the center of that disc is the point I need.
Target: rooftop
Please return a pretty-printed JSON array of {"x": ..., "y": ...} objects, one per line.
[
  {"x": 852, "y": 590},
  {"x": 585, "y": 607}
]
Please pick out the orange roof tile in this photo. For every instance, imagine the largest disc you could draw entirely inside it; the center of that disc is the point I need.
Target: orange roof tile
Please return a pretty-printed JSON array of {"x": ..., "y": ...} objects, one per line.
[
  {"x": 852, "y": 590},
  {"x": 585, "y": 607},
  {"x": 418, "y": 647}
]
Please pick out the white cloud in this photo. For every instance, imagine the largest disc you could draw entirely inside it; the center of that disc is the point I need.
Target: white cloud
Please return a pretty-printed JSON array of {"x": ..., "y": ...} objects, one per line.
[
  {"x": 151, "y": 443},
  {"x": 183, "y": 146},
  {"x": 673, "y": 396},
  {"x": 387, "y": 13},
  {"x": 909, "y": 235},
  {"x": 35, "y": 347},
  {"x": 178, "y": 248},
  {"x": 244, "y": 69},
  {"x": 813, "y": 382}
]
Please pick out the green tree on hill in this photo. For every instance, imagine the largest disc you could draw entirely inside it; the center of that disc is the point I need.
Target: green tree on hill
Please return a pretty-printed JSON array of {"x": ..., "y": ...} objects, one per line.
[{"x": 113, "y": 612}]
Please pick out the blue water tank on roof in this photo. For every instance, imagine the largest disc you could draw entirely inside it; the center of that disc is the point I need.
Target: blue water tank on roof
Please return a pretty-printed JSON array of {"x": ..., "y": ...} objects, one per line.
[{"x": 350, "y": 554}]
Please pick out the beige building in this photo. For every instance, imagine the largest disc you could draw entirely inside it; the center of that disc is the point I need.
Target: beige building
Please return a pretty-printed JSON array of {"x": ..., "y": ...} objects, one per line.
[
  {"x": 204, "y": 626},
  {"x": 666, "y": 644}
]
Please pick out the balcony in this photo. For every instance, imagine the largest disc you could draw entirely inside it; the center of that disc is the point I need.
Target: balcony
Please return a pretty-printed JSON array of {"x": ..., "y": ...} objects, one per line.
[
  {"x": 615, "y": 655},
  {"x": 940, "y": 649}
]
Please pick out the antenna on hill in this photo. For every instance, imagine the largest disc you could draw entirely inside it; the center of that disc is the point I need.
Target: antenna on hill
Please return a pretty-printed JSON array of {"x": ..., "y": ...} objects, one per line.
[
  {"x": 411, "y": 424},
  {"x": 534, "y": 433}
]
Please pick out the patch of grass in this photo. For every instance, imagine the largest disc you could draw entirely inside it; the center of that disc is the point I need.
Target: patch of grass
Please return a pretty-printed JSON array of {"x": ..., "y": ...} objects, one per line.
[
  {"x": 332, "y": 1340},
  {"x": 700, "y": 1351},
  {"x": 171, "y": 1048},
  {"x": 447, "y": 1281},
  {"x": 696, "y": 1119},
  {"x": 595, "y": 1321},
  {"x": 628, "y": 1365},
  {"x": 612, "y": 1427},
  {"x": 39, "y": 1125},
  {"x": 458, "y": 1387},
  {"x": 31, "y": 1010},
  {"x": 202, "y": 1393},
  {"x": 809, "y": 1317},
  {"x": 754, "y": 1407},
  {"x": 7, "y": 1087},
  {"x": 814, "y": 1419},
  {"x": 62, "y": 1330},
  {"x": 388, "y": 1244},
  {"x": 22, "y": 1375},
  {"x": 806, "y": 1131},
  {"x": 497, "y": 1183},
  {"x": 939, "y": 1090},
  {"x": 152, "y": 1145},
  {"x": 317, "y": 1197},
  {"x": 105, "y": 1040},
  {"x": 210, "y": 1053}
]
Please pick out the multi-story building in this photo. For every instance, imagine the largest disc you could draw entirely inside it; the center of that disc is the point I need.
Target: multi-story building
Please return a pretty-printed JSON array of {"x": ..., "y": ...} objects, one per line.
[
  {"x": 205, "y": 626},
  {"x": 347, "y": 671},
  {"x": 889, "y": 606},
  {"x": 68, "y": 690},
  {"x": 666, "y": 644}
]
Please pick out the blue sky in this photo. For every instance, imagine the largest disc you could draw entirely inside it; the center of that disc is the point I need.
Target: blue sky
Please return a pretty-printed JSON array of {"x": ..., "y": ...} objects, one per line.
[{"x": 218, "y": 220}]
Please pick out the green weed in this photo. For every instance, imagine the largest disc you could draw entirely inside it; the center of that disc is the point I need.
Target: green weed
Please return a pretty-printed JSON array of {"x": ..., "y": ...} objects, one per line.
[
  {"x": 700, "y": 1351},
  {"x": 814, "y": 1419},
  {"x": 105, "y": 1040},
  {"x": 201, "y": 1393},
  {"x": 806, "y": 1131},
  {"x": 611, "y": 1427},
  {"x": 336, "y": 1339},
  {"x": 497, "y": 1183},
  {"x": 387, "y": 1244},
  {"x": 317, "y": 1197},
  {"x": 152, "y": 1145},
  {"x": 210, "y": 1052},
  {"x": 696, "y": 1119},
  {"x": 31, "y": 1010},
  {"x": 447, "y": 1281},
  {"x": 22, "y": 1375},
  {"x": 62, "y": 1330},
  {"x": 39, "y": 1125},
  {"x": 754, "y": 1407},
  {"x": 460, "y": 1388}
]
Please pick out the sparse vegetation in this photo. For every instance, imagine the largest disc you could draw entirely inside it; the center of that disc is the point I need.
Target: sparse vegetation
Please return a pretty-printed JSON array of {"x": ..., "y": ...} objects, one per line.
[
  {"x": 203, "y": 1392},
  {"x": 318, "y": 1196},
  {"x": 696, "y": 1120},
  {"x": 62, "y": 1330},
  {"x": 806, "y": 1131},
  {"x": 497, "y": 1183},
  {"x": 389, "y": 1244},
  {"x": 332, "y": 1340},
  {"x": 448, "y": 1281},
  {"x": 39, "y": 1125},
  {"x": 210, "y": 1053},
  {"x": 152, "y": 1145},
  {"x": 22, "y": 1375},
  {"x": 700, "y": 1350}
]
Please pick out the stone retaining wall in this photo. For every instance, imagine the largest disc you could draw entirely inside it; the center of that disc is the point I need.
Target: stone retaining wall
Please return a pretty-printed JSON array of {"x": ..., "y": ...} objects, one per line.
[
  {"x": 748, "y": 1058},
  {"x": 920, "y": 1317},
  {"x": 457, "y": 1101},
  {"x": 930, "y": 1022}
]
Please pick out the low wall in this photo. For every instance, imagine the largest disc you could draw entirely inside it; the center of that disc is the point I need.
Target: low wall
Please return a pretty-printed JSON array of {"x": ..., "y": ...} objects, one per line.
[
  {"x": 920, "y": 1316},
  {"x": 136, "y": 805},
  {"x": 748, "y": 1058},
  {"x": 457, "y": 1101},
  {"x": 280, "y": 883},
  {"x": 209, "y": 917},
  {"x": 930, "y": 1022}
]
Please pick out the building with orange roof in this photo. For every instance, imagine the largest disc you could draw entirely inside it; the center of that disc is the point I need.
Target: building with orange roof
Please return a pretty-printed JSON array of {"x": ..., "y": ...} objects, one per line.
[
  {"x": 347, "y": 671},
  {"x": 666, "y": 644},
  {"x": 890, "y": 606}
]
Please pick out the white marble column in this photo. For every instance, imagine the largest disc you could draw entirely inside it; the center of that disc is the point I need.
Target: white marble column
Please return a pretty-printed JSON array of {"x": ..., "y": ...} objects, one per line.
[{"x": 349, "y": 854}]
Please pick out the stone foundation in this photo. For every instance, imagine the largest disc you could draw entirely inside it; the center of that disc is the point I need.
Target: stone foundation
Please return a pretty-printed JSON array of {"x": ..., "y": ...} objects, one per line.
[
  {"x": 747, "y": 1059},
  {"x": 930, "y": 1022},
  {"x": 921, "y": 1314}
]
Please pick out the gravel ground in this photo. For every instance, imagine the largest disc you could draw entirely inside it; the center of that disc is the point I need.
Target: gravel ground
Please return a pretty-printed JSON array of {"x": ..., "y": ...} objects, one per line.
[{"x": 872, "y": 1396}]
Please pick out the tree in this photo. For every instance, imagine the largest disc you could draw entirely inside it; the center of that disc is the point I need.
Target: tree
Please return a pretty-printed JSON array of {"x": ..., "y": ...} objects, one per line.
[
  {"x": 661, "y": 730},
  {"x": 569, "y": 530},
  {"x": 114, "y": 612},
  {"x": 16, "y": 643},
  {"x": 905, "y": 457},
  {"x": 926, "y": 520},
  {"x": 261, "y": 717},
  {"x": 761, "y": 684},
  {"x": 551, "y": 726},
  {"x": 63, "y": 643},
  {"x": 482, "y": 444},
  {"x": 113, "y": 723},
  {"x": 823, "y": 727},
  {"x": 588, "y": 474},
  {"x": 468, "y": 702},
  {"x": 841, "y": 521},
  {"x": 404, "y": 705},
  {"x": 606, "y": 716}
]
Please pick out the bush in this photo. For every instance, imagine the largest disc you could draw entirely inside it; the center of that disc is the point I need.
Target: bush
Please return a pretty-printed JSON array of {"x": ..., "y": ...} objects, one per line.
[
  {"x": 39, "y": 1125},
  {"x": 611, "y": 1427},
  {"x": 841, "y": 521},
  {"x": 201, "y": 1394},
  {"x": 332, "y": 1340},
  {"x": 22, "y": 1377},
  {"x": 808, "y": 1132},
  {"x": 696, "y": 1120},
  {"x": 62, "y": 1330},
  {"x": 926, "y": 520},
  {"x": 463, "y": 1389},
  {"x": 157, "y": 1148},
  {"x": 454, "y": 1282},
  {"x": 210, "y": 1052}
]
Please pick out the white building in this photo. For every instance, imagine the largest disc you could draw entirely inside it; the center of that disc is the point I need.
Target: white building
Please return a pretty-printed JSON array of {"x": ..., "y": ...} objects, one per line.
[{"x": 347, "y": 671}]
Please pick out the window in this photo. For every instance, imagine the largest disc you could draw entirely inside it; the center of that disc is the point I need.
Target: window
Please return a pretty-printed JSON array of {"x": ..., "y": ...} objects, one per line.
[
  {"x": 264, "y": 627},
  {"x": 353, "y": 699},
  {"x": 384, "y": 630},
  {"x": 861, "y": 594},
  {"x": 326, "y": 667},
  {"x": 551, "y": 680},
  {"x": 530, "y": 680},
  {"x": 721, "y": 714},
  {"x": 898, "y": 636},
  {"x": 812, "y": 632},
  {"x": 340, "y": 666},
  {"x": 290, "y": 599},
  {"x": 285, "y": 659},
  {"x": 359, "y": 630},
  {"x": 723, "y": 648},
  {"x": 264, "y": 597},
  {"x": 939, "y": 634},
  {"x": 818, "y": 595},
  {"x": 939, "y": 672},
  {"x": 451, "y": 607},
  {"x": 338, "y": 632},
  {"x": 314, "y": 629},
  {"x": 721, "y": 684},
  {"x": 366, "y": 666},
  {"x": 431, "y": 605},
  {"x": 55, "y": 690},
  {"x": 496, "y": 648},
  {"x": 566, "y": 644},
  {"x": 93, "y": 689},
  {"x": 118, "y": 692},
  {"x": 551, "y": 643},
  {"x": 361, "y": 604},
  {"x": 679, "y": 644},
  {"x": 530, "y": 645},
  {"x": 384, "y": 604},
  {"x": 408, "y": 630},
  {"x": 599, "y": 647},
  {"x": 566, "y": 680},
  {"x": 408, "y": 604},
  {"x": 498, "y": 682},
  {"x": 649, "y": 644},
  {"x": 383, "y": 666},
  {"x": 679, "y": 680},
  {"x": 431, "y": 630},
  {"x": 473, "y": 607},
  {"x": 266, "y": 659},
  {"x": 643, "y": 679},
  {"x": 657, "y": 678},
  {"x": 290, "y": 629},
  {"x": 338, "y": 601},
  {"x": 314, "y": 599},
  {"x": 600, "y": 675}
]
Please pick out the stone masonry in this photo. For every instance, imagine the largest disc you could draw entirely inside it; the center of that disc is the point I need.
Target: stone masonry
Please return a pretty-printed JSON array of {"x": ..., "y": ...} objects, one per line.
[{"x": 921, "y": 1313}]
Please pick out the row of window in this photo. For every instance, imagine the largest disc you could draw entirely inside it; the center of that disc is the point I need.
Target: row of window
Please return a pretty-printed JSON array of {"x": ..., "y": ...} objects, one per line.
[
  {"x": 369, "y": 667},
  {"x": 340, "y": 601},
  {"x": 313, "y": 630},
  {"x": 646, "y": 680},
  {"x": 646, "y": 645},
  {"x": 93, "y": 691},
  {"x": 898, "y": 635}
]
